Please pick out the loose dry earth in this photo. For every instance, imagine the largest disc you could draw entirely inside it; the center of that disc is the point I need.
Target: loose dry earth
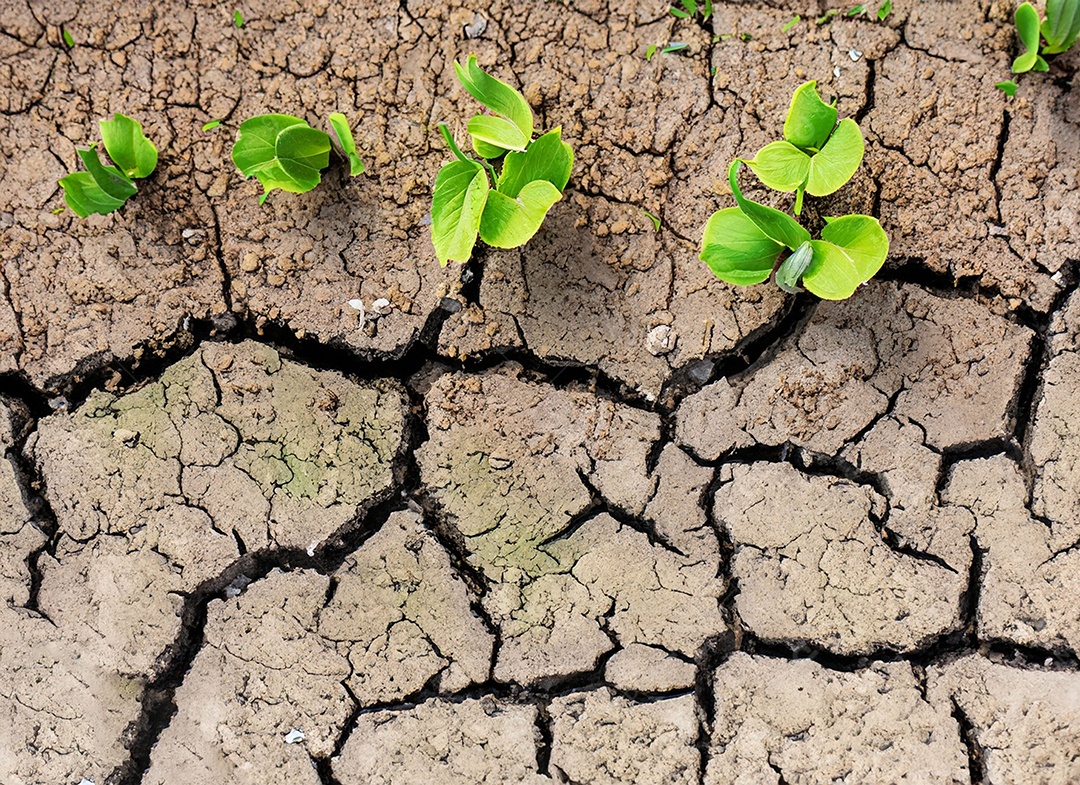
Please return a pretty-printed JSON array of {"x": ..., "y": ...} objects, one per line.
[{"x": 576, "y": 513}]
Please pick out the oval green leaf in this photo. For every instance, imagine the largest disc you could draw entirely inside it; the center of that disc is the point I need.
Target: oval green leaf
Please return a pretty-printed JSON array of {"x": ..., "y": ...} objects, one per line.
[
  {"x": 256, "y": 141},
  {"x": 497, "y": 132},
  {"x": 837, "y": 161},
  {"x": 809, "y": 120},
  {"x": 85, "y": 197},
  {"x": 781, "y": 166},
  {"x": 496, "y": 95},
  {"x": 852, "y": 249},
  {"x": 303, "y": 153},
  {"x": 1027, "y": 27},
  {"x": 736, "y": 250},
  {"x": 548, "y": 158},
  {"x": 128, "y": 146},
  {"x": 1061, "y": 27},
  {"x": 461, "y": 191},
  {"x": 1025, "y": 62},
  {"x": 779, "y": 226},
  {"x": 348, "y": 145},
  {"x": 509, "y": 222},
  {"x": 108, "y": 178}
]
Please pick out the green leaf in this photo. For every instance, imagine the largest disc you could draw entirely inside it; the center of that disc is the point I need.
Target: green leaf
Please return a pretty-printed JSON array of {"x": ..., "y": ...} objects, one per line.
[
  {"x": 69, "y": 41},
  {"x": 548, "y": 158},
  {"x": 781, "y": 166},
  {"x": 348, "y": 145},
  {"x": 496, "y": 95},
  {"x": 850, "y": 252},
  {"x": 791, "y": 23},
  {"x": 809, "y": 120},
  {"x": 1008, "y": 87},
  {"x": 1027, "y": 29},
  {"x": 779, "y": 226},
  {"x": 650, "y": 50},
  {"x": 855, "y": 10},
  {"x": 461, "y": 191},
  {"x": 736, "y": 250},
  {"x": 108, "y": 178},
  {"x": 675, "y": 47},
  {"x": 211, "y": 125},
  {"x": 791, "y": 269},
  {"x": 497, "y": 132},
  {"x": 238, "y": 19},
  {"x": 1061, "y": 27},
  {"x": 128, "y": 146},
  {"x": 653, "y": 218},
  {"x": 85, "y": 197},
  {"x": 837, "y": 161},
  {"x": 884, "y": 10},
  {"x": 256, "y": 142},
  {"x": 510, "y": 223},
  {"x": 303, "y": 152}
]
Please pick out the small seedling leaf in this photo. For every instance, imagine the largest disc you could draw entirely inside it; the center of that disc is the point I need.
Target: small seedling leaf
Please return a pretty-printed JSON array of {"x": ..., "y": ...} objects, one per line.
[
  {"x": 855, "y": 10},
  {"x": 884, "y": 10},
  {"x": 496, "y": 132},
  {"x": 1027, "y": 29},
  {"x": 69, "y": 41},
  {"x": 781, "y": 166},
  {"x": 108, "y": 178},
  {"x": 650, "y": 50},
  {"x": 809, "y": 120},
  {"x": 496, "y": 95},
  {"x": 85, "y": 197},
  {"x": 791, "y": 269},
  {"x": 736, "y": 250},
  {"x": 837, "y": 161},
  {"x": 676, "y": 47},
  {"x": 1008, "y": 87},
  {"x": 303, "y": 153},
  {"x": 461, "y": 191},
  {"x": 348, "y": 145},
  {"x": 655, "y": 220},
  {"x": 510, "y": 223},
  {"x": 238, "y": 19},
  {"x": 779, "y": 226},
  {"x": 548, "y": 158},
  {"x": 256, "y": 142},
  {"x": 828, "y": 15},
  {"x": 128, "y": 146},
  {"x": 850, "y": 252},
  {"x": 678, "y": 13},
  {"x": 211, "y": 125},
  {"x": 791, "y": 23},
  {"x": 1061, "y": 27}
]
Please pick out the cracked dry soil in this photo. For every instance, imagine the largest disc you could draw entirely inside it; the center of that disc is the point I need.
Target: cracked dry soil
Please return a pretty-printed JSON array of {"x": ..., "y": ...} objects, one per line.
[{"x": 497, "y": 534}]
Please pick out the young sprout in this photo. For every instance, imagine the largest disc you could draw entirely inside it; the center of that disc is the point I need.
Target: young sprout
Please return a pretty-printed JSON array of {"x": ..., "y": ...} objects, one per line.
[
  {"x": 504, "y": 197},
  {"x": 284, "y": 152},
  {"x": 1059, "y": 30},
  {"x": 102, "y": 188},
  {"x": 745, "y": 244}
]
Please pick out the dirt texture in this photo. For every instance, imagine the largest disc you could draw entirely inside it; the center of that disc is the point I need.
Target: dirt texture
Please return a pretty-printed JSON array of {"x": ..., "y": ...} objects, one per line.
[{"x": 572, "y": 513}]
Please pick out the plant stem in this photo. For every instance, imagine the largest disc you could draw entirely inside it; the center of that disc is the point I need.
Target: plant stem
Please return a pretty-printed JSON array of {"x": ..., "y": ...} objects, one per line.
[{"x": 445, "y": 131}]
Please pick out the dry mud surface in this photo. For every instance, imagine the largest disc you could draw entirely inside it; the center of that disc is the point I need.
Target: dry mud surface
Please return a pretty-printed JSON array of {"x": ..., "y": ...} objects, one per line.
[{"x": 574, "y": 513}]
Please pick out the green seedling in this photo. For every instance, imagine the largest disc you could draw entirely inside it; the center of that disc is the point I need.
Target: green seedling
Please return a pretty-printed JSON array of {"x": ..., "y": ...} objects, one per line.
[
  {"x": 745, "y": 244},
  {"x": 504, "y": 207},
  {"x": 817, "y": 155},
  {"x": 238, "y": 19},
  {"x": 1008, "y": 87},
  {"x": 210, "y": 126},
  {"x": 284, "y": 152},
  {"x": 1059, "y": 30},
  {"x": 884, "y": 10},
  {"x": 791, "y": 23},
  {"x": 690, "y": 8},
  {"x": 69, "y": 39},
  {"x": 104, "y": 188},
  {"x": 650, "y": 51},
  {"x": 654, "y": 219}
]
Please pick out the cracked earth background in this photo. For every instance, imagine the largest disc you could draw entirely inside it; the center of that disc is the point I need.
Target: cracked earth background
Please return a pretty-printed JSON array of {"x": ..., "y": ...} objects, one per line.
[{"x": 503, "y": 533}]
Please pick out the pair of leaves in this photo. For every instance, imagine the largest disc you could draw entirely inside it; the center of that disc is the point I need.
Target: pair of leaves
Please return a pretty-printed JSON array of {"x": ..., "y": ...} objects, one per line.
[
  {"x": 511, "y": 127},
  {"x": 103, "y": 189},
  {"x": 1027, "y": 28},
  {"x": 1061, "y": 27},
  {"x": 465, "y": 205},
  {"x": 817, "y": 156},
  {"x": 284, "y": 152},
  {"x": 742, "y": 245}
]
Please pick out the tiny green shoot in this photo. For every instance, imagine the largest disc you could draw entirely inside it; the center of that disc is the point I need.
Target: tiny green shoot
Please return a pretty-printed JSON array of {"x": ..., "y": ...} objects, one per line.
[
  {"x": 828, "y": 15},
  {"x": 653, "y": 218},
  {"x": 211, "y": 125},
  {"x": 791, "y": 23},
  {"x": 745, "y": 37},
  {"x": 57, "y": 211},
  {"x": 102, "y": 188},
  {"x": 1008, "y": 87},
  {"x": 238, "y": 19},
  {"x": 673, "y": 47},
  {"x": 745, "y": 244},
  {"x": 1059, "y": 30},
  {"x": 690, "y": 8},
  {"x": 884, "y": 10},
  {"x": 69, "y": 40},
  {"x": 650, "y": 51},
  {"x": 855, "y": 10},
  {"x": 504, "y": 207},
  {"x": 284, "y": 152}
]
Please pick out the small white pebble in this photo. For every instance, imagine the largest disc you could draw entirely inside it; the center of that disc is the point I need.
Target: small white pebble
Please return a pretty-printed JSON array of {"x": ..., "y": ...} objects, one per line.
[
  {"x": 294, "y": 736},
  {"x": 358, "y": 304},
  {"x": 381, "y": 307},
  {"x": 87, "y": 782},
  {"x": 854, "y": 54},
  {"x": 311, "y": 548},
  {"x": 836, "y": 71},
  {"x": 477, "y": 28}
]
